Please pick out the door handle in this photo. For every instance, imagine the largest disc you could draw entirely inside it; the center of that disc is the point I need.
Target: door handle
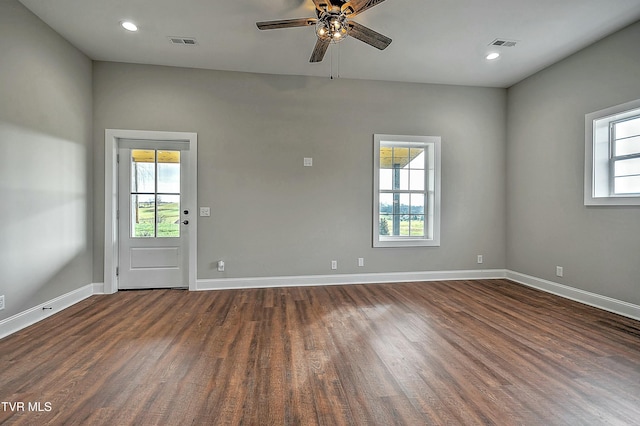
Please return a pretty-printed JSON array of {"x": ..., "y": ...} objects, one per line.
[{"x": 186, "y": 222}]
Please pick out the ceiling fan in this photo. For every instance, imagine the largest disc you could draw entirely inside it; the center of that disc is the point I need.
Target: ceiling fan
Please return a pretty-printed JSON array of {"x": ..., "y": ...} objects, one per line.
[{"x": 334, "y": 24}]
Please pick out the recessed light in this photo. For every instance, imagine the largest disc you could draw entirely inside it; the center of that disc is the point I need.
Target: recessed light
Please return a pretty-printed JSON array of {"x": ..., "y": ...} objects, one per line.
[
  {"x": 129, "y": 26},
  {"x": 492, "y": 56}
]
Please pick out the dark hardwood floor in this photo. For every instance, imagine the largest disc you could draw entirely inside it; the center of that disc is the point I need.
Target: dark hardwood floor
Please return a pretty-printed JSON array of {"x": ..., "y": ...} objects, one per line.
[{"x": 456, "y": 352}]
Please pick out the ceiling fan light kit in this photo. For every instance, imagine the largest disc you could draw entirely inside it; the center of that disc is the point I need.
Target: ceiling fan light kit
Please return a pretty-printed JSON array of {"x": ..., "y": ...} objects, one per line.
[
  {"x": 333, "y": 24},
  {"x": 332, "y": 27}
]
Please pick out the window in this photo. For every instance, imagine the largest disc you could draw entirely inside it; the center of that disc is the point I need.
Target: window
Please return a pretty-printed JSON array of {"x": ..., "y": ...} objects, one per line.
[
  {"x": 612, "y": 156},
  {"x": 155, "y": 193},
  {"x": 406, "y": 199}
]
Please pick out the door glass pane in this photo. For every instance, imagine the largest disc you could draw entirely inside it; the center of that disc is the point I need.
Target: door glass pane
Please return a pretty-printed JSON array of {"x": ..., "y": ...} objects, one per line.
[
  {"x": 143, "y": 215},
  {"x": 143, "y": 170},
  {"x": 169, "y": 172},
  {"x": 168, "y": 215}
]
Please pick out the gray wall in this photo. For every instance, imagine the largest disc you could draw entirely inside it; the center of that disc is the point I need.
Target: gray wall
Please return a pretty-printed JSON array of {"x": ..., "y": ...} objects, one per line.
[
  {"x": 45, "y": 153},
  {"x": 270, "y": 215},
  {"x": 548, "y": 225}
]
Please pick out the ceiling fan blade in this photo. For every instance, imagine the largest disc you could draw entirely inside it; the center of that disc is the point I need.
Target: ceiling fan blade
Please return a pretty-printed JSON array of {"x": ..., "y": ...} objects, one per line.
[
  {"x": 355, "y": 7},
  {"x": 319, "y": 50},
  {"x": 368, "y": 36},
  {"x": 323, "y": 5},
  {"x": 286, "y": 23}
]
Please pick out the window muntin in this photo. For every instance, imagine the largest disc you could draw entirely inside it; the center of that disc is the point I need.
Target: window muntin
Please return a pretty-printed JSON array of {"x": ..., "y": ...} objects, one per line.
[
  {"x": 612, "y": 156},
  {"x": 406, "y": 193}
]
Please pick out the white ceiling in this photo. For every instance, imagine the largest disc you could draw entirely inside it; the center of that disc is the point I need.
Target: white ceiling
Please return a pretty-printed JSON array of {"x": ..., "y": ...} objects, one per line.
[{"x": 434, "y": 41}]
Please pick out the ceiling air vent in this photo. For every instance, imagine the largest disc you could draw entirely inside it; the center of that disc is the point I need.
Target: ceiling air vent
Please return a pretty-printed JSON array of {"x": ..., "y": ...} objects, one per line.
[
  {"x": 501, "y": 42},
  {"x": 185, "y": 41}
]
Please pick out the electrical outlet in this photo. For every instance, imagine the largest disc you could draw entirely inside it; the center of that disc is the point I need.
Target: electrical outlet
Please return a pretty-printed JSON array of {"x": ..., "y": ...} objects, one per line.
[
  {"x": 2, "y": 302},
  {"x": 308, "y": 161},
  {"x": 559, "y": 271},
  {"x": 334, "y": 264},
  {"x": 220, "y": 265},
  {"x": 361, "y": 261},
  {"x": 480, "y": 258}
]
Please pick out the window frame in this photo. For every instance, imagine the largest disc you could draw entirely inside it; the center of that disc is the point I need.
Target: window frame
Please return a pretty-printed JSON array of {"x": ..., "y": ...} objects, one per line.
[
  {"x": 431, "y": 191},
  {"x": 600, "y": 159}
]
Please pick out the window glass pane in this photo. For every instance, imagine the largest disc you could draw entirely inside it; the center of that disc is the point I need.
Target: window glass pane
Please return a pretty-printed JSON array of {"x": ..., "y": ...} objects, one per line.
[
  {"x": 627, "y": 185},
  {"x": 386, "y": 157},
  {"x": 625, "y": 129},
  {"x": 417, "y": 204},
  {"x": 405, "y": 203},
  {"x": 386, "y": 203},
  {"x": 416, "y": 180},
  {"x": 394, "y": 224},
  {"x": 403, "y": 182},
  {"x": 385, "y": 224},
  {"x": 169, "y": 172},
  {"x": 143, "y": 216},
  {"x": 386, "y": 177},
  {"x": 417, "y": 225},
  {"x": 400, "y": 156},
  {"x": 628, "y": 146},
  {"x": 143, "y": 170},
  {"x": 168, "y": 215},
  {"x": 404, "y": 225},
  {"x": 627, "y": 167},
  {"x": 417, "y": 158}
]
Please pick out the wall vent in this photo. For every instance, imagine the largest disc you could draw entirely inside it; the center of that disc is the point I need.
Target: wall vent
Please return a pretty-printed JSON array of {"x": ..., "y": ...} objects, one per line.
[
  {"x": 501, "y": 42},
  {"x": 185, "y": 41}
]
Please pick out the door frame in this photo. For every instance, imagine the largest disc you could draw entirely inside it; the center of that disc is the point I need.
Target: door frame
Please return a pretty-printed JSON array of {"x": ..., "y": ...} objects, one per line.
[{"x": 111, "y": 146}]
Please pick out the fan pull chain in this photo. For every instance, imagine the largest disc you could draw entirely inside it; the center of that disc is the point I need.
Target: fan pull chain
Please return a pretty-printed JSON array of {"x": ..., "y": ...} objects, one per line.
[
  {"x": 331, "y": 55},
  {"x": 331, "y": 61},
  {"x": 338, "y": 67}
]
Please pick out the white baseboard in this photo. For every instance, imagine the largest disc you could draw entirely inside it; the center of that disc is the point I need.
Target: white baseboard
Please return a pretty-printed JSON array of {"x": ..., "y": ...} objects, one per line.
[
  {"x": 31, "y": 316},
  {"x": 98, "y": 288},
  {"x": 341, "y": 279},
  {"x": 37, "y": 313},
  {"x": 592, "y": 299}
]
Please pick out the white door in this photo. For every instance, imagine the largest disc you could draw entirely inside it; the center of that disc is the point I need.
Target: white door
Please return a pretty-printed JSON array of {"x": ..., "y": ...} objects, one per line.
[{"x": 153, "y": 221}]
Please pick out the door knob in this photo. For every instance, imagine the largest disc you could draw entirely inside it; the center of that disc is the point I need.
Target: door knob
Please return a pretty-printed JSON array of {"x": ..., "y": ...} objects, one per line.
[
  {"x": 186, "y": 222},
  {"x": 186, "y": 212}
]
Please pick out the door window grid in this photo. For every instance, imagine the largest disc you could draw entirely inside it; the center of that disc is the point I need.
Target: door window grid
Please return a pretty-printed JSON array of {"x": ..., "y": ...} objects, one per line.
[{"x": 155, "y": 193}]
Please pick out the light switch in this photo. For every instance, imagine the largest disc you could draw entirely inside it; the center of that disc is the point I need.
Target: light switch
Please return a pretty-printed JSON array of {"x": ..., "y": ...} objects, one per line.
[
  {"x": 308, "y": 162},
  {"x": 205, "y": 211}
]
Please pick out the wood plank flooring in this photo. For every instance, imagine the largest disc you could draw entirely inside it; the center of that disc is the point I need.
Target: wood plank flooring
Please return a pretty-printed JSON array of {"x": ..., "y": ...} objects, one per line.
[{"x": 455, "y": 352}]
